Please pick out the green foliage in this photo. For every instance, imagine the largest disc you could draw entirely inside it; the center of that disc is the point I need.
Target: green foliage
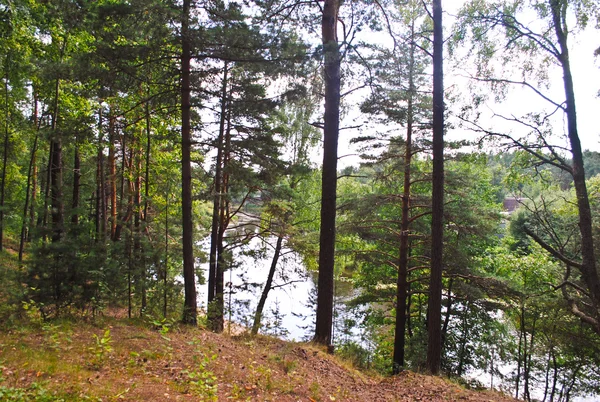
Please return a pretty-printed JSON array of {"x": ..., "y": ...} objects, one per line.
[
  {"x": 202, "y": 381},
  {"x": 315, "y": 390},
  {"x": 11, "y": 291},
  {"x": 472, "y": 225},
  {"x": 163, "y": 325},
  {"x": 553, "y": 340},
  {"x": 68, "y": 276},
  {"x": 100, "y": 349},
  {"x": 56, "y": 336},
  {"x": 104, "y": 80},
  {"x": 261, "y": 376},
  {"x": 37, "y": 392},
  {"x": 356, "y": 354},
  {"x": 477, "y": 337}
]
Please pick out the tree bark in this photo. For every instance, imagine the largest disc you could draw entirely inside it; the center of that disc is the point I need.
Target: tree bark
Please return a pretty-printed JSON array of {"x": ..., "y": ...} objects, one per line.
[
  {"x": 166, "y": 265},
  {"x": 448, "y": 311},
  {"x": 27, "y": 195},
  {"x": 527, "y": 371},
  {"x": 324, "y": 320},
  {"x": 434, "y": 308},
  {"x": 218, "y": 316},
  {"x": 223, "y": 223},
  {"x": 217, "y": 200},
  {"x": 190, "y": 309},
  {"x": 128, "y": 252},
  {"x": 124, "y": 214},
  {"x": 147, "y": 167},
  {"x": 554, "y": 377},
  {"x": 56, "y": 191},
  {"x": 36, "y": 124},
  {"x": 56, "y": 173},
  {"x": 34, "y": 190},
  {"x": 409, "y": 329},
  {"x": 5, "y": 150},
  {"x": 43, "y": 219},
  {"x": 522, "y": 349},
  {"x": 31, "y": 185},
  {"x": 464, "y": 339},
  {"x": 588, "y": 269},
  {"x": 137, "y": 231},
  {"x": 100, "y": 219},
  {"x": 112, "y": 174},
  {"x": 402, "y": 279},
  {"x": 146, "y": 197},
  {"x": 547, "y": 375},
  {"x": 76, "y": 184},
  {"x": 268, "y": 285}
]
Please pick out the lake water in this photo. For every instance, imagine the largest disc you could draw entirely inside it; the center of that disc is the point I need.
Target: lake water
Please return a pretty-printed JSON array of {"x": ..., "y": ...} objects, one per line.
[{"x": 245, "y": 282}]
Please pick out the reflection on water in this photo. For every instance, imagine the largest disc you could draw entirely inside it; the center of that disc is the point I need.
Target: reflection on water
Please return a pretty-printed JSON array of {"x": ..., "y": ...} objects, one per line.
[{"x": 288, "y": 305}]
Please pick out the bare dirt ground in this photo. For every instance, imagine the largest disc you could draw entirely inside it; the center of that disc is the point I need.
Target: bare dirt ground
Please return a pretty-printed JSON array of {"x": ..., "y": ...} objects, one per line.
[{"x": 77, "y": 361}]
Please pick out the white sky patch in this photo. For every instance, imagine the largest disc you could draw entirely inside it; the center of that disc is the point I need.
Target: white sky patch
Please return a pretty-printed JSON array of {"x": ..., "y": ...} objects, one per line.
[{"x": 518, "y": 101}]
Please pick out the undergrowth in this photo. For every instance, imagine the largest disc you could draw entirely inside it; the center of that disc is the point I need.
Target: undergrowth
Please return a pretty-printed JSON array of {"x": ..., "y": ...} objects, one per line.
[{"x": 37, "y": 392}]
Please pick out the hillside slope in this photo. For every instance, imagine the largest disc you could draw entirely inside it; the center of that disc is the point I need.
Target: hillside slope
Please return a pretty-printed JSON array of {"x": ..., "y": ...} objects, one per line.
[{"x": 72, "y": 362}]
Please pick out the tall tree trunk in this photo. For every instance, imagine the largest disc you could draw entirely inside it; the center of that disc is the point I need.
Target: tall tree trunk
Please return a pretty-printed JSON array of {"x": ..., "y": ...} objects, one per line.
[
  {"x": 574, "y": 377},
  {"x": 98, "y": 202},
  {"x": 146, "y": 194},
  {"x": 137, "y": 232},
  {"x": 31, "y": 184},
  {"x": 34, "y": 190},
  {"x": 547, "y": 374},
  {"x": 492, "y": 359},
  {"x": 522, "y": 349},
  {"x": 527, "y": 372},
  {"x": 218, "y": 316},
  {"x": 43, "y": 219},
  {"x": 217, "y": 200},
  {"x": 147, "y": 167},
  {"x": 434, "y": 308},
  {"x": 448, "y": 311},
  {"x": 125, "y": 219},
  {"x": 56, "y": 201},
  {"x": 100, "y": 218},
  {"x": 128, "y": 252},
  {"x": 554, "y": 377},
  {"x": 588, "y": 269},
  {"x": 268, "y": 286},
  {"x": 124, "y": 214},
  {"x": 223, "y": 223},
  {"x": 464, "y": 339},
  {"x": 402, "y": 280},
  {"x": 189, "y": 275},
  {"x": 56, "y": 190},
  {"x": 5, "y": 149},
  {"x": 409, "y": 329},
  {"x": 112, "y": 173},
  {"x": 27, "y": 195},
  {"x": 76, "y": 185},
  {"x": 56, "y": 173},
  {"x": 324, "y": 320},
  {"x": 166, "y": 265}
]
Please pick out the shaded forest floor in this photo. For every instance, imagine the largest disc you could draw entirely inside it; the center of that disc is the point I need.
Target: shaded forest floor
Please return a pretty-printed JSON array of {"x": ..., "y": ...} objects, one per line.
[{"x": 116, "y": 359}]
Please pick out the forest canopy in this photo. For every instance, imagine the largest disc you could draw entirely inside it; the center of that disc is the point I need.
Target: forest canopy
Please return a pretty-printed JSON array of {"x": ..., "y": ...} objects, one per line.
[{"x": 429, "y": 169}]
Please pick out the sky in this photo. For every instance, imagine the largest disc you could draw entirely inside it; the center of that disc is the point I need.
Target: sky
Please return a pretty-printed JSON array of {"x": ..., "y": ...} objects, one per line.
[
  {"x": 585, "y": 67},
  {"x": 586, "y": 74}
]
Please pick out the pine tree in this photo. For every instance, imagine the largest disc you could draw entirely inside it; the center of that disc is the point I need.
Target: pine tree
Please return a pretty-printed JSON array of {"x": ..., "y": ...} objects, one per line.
[
  {"x": 434, "y": 310},
  {"x": 331, "y": 127}
]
